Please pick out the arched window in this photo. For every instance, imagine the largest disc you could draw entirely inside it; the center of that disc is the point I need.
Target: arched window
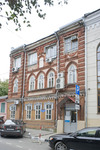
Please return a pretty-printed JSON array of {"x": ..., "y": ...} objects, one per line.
[
  {"x": 32, "y": 83},
  {"x": 98, "y": 76},
  {"x": 51, "y": 78},
  {"x": 72, "y": 74},
  {"x": 41, "y": 81},
  {"x": 15, "y": 88}
]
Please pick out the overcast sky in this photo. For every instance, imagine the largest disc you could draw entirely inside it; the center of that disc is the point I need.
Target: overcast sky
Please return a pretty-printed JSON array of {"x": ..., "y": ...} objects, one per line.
[{"x": 56, "y": 17}]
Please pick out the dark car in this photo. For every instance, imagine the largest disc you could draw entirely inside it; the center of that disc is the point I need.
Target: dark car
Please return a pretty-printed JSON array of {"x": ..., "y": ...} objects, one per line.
[
  {"x": 85, "y": 139},
  {"x": 13, "y": 128},
  {"x": 1, "y": 122}
]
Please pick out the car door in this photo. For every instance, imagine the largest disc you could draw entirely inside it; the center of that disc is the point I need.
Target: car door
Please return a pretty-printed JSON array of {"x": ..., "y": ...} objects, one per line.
[{"x": 84, "y": 140}]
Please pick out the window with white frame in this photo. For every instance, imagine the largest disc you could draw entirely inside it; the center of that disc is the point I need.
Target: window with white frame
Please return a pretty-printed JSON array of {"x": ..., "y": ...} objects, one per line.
[
  {"x": 72, "y": 74},
  {"x": 51, "y": 79},
  {"x": 32, "y": 59},
  {"x": 98, "y": 77},
  {"x": 31, "y": 83},
  {"x": 15, "y": 86},
  {"x": 2, "y": 107},
  {"x": 28, "y": 112},
  {"x": 48, "y": 110},
  {"x": 17, "y": 62},
  {"x": 12, "y": 111},
  {"x": 41, "y": 63},
  {"x": 71, "y": 44},
  {"x": 38, "y": 112},
  {"x": 51, "y": 51},
  {"x": 41, "y": 81}
]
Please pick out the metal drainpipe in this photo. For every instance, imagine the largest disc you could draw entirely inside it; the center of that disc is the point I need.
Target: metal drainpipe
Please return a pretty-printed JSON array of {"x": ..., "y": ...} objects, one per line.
[
  {"x": 57, "y": 73},
  {"x": 23, "y": 82},
  {"x": 85, "y": 77}
]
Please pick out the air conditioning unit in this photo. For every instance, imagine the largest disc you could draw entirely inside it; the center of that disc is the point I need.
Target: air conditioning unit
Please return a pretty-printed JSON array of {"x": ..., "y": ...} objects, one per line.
[
  {"x": 16, "y": 102},
  {"x": 60, "y": 75},
  {"x": 60, "y": 83},
  {"x": 49, "y": 60},
  {"x": 15, "y": 69}
]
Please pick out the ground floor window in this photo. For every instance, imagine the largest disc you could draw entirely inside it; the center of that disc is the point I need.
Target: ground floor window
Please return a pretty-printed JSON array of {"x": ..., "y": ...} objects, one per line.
[
  {"x": 12, "y": 111},
  {"x": 38, "y": 112},
  {"x": 28, "y": 112},
  {"x": 2, "y": 107},
  {"x": 48, "y": 112}
]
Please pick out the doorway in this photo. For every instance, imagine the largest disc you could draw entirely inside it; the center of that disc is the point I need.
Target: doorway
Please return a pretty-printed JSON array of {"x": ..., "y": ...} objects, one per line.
[{"x": 70, "y": 121}]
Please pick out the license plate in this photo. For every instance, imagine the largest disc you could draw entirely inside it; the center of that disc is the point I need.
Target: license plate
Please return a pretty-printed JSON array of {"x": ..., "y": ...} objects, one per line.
[{"x": 10, "y": 129}]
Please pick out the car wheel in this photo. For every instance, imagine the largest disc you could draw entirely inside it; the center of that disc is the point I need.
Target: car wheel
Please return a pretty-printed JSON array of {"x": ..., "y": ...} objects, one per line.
[{"x": 60, "y": 146}]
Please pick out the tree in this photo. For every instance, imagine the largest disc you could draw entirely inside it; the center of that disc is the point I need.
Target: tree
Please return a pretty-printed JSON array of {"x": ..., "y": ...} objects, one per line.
[
  {"x": 19, "y": 8},
  {"x": 3, "y": 87}
]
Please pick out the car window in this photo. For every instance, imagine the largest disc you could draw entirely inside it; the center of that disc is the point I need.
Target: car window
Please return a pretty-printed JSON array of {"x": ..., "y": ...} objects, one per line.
[
  {"x": 98, "y": 134},
  {"x": 87, "y": 133}
]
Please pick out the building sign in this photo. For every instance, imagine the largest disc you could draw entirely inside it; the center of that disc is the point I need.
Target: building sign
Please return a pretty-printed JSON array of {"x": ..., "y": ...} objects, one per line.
[{"x": 42, "y": 110}]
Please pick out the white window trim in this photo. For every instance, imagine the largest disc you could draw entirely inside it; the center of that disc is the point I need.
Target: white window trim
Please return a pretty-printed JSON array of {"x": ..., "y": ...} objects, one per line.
[
  {"x": 50, "y": 77},
  {"x": 41, "y": 62},
  {"x": 39, "y": 80},
  {"x": 15, "y": 62},
  {"x": 49, "y": 46},
  {"x": 16, "y": 86},
  {"x": 30, "y": 83},
  {"x": 26, "y": 105},
  {"x": 13, "y": 105},
  {"x": 38, "y": 104},
  {"x": 34, "y": 62},
  {"x": 71, "y": 39},
  {"x": 48, "y": 103},
  {"x": 75, "y": 75}
]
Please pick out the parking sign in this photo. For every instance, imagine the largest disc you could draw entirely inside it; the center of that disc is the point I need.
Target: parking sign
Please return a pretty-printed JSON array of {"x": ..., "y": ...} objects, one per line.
[{"x": 77, "y": 90}]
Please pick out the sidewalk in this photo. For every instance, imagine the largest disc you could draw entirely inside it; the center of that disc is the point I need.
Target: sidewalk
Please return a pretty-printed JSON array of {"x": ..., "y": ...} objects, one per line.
[{"x": 38, "y": 134}]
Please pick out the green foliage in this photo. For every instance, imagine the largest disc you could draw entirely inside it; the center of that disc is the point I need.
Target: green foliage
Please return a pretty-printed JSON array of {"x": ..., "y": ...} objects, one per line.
[
  {"x": 3, "y": 87},
  {"x": 19, "y": 8}
]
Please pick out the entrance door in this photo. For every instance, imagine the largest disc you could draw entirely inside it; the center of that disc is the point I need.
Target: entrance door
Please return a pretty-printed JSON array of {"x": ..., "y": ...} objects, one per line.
[{"x": 70, "y": 122}]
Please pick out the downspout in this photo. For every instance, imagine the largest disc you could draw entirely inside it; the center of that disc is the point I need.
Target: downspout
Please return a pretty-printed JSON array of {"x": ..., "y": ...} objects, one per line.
[
  {"x": 58, "y": 68},
  {"x": 23, "y": 90},
  {"x": 86, "y": 98}
]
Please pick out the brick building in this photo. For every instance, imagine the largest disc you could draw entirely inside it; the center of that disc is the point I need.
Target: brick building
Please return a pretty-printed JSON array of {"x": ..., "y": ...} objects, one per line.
[{"x": 42, "y": 80}]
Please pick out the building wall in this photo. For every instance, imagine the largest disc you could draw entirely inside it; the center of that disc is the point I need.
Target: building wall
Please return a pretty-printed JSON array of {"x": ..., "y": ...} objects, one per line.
[
  {"x": 92, "y": 42},
  {"x": 48, "y": 94},
  {"x": 3, "y": 100}
]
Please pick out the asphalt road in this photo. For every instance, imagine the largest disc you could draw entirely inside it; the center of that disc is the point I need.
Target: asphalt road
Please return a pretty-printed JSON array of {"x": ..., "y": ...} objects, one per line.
[{"x": 12, "y": 143}]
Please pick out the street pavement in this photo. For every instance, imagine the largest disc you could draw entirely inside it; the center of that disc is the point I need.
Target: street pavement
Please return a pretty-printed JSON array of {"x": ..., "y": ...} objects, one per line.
[{"x": 38, "y": 135}]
